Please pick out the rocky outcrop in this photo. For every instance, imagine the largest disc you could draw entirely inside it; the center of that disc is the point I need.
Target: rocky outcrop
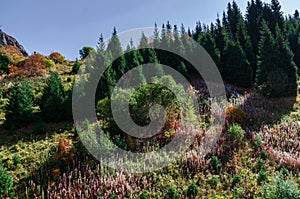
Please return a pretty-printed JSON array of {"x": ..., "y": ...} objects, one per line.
[{"x": 6, "y": 40}]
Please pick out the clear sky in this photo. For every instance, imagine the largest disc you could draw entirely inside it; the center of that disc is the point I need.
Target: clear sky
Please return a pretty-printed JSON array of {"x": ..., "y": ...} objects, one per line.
[{"x": 68, "y": 25}]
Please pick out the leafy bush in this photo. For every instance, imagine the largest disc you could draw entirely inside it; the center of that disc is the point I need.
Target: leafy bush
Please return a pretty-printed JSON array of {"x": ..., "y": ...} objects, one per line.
[
  {"x": 34, "y": 66},
  {"x": 236, "y": 133},
  {"x": 76, "y": 67},
  {"x": 215, "y": 163},
  {"x": 235, "y": 114},
  {"x": 281, "y": 189},
  {"x": 192, "y": 190},
  {"x": 262, "y": 176},
  {"x": 258, "y": 142},
  {"x": 57, "y": 57},
  {"x": 260, "y": 164},
  {"x": 143, "y": 195},
  {"x": 5, "y": 181},
  {"x": 49, "y": 63},
  {"x": 264, "y": 155},
  {"x": 18, "y": 111},
  {"x": 235, "y": 180},
  {"x": 284, "y": 172},
  {"x": 172, "y": 193},
  {"x": 214, "y": 181},
  {"x": 51, "y": 103}
]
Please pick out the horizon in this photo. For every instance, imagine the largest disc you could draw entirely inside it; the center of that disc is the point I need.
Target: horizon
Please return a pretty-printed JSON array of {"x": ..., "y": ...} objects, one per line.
[{"x": 72, "y": 26}]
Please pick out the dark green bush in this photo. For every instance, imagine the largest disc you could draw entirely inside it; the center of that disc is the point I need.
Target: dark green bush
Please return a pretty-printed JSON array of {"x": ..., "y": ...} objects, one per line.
[
  {"x": 76, "y": 67},
  {"x": 262, "y": 176},
  {"x": 260, "y": 164},
  {"x": 235, "y": 180},
  {"x": 264, "y": 155},
  {"x": 284, "y": 172},
  {"x": 18, "y": 111},
  {"x": 214, "y": 181},
  {"x": 172, "y": 193},
  {"x": 192, "y": 190},
  {"x": 215, "y": 163},
  {"x": 143, "y": 195},
  {"x": 5, "y": 181}
]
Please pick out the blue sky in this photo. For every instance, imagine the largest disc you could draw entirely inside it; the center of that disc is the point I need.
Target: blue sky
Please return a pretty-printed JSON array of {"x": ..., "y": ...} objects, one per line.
[{"x": 66, "y": 26}]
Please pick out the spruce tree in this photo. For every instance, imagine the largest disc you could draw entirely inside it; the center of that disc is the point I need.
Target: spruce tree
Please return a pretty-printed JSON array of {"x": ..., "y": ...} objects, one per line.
[
  {"x": 267, "y": 54},
  {"x": 237, "y": 69},
  {"x": 18, "y": 111},
  {"x": 114, "y": 47},
  {"x": 208, "y": 43},
  {"x": 286, "y": 63},
  {"x": 51, "y": 103},
  {"x": 254, "y": 14}
]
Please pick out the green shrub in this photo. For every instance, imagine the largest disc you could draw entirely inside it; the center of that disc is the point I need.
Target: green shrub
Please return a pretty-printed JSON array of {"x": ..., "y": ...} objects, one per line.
[
  {"x": 258, "y": 141},
  {"x": 214, "y": 181},
  {"x": 16, "y": 160},
  {"x": 262, "y": 176},
  {"x": 49, "y": 63},
  {"x": 5, "y": 181},
  {"x": 113, "y": 197},
  {"x": 215, "y": 163},
  {"x": 281, "y": 189},
  {"x": 51, "y": 103},
  {"x": 284, "y": 172},
  {"x": 236, "y": 133},
  {"x": 18, "y": 111},
  {"x": 264, "y": 155},
  {"x": 76, "y": 67},
  {"x": 260, "y": 164},
  {"x": 192, "y": 190},
  {"x": 143, "y": 195},
  {"x": 172, "y": 193},
  {"x": 235, "y": 180}
]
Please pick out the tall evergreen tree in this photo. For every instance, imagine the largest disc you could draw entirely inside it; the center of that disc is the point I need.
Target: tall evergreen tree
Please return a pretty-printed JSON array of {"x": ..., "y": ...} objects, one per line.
[
  {"x": 208, "y": 43},
  {"x": 237, "y": 69},
  {"x": 286, "y": 63},
  {"x": 254, "y": 13},
  {"x": 18, "y": 111},
  {"x": 277, "y": 16},
  {"x": 267, "y": 54},
  {"x": 51, "y": 103},
  {"x": 114, "y": 47}
]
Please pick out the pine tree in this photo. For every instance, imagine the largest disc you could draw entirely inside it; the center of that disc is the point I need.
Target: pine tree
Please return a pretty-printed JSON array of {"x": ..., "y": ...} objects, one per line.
[
  {"x": 277, "y": 16},
  {"x": 18, "y": 111},
  {"x": 267, "y": 54},
  {"x": 208, "y": 43},
  {"x": 244, "y": 40},
  {"x": 114, "y": 47},
  {"x": 296, "y": 14},
  {"x": 51, "y": 103},
  {"x": 254, "y": 13},
  {"x": 198, "y": 31},
  {"x": 237, "y": 69},
  {"x": 286, "y": 63}
]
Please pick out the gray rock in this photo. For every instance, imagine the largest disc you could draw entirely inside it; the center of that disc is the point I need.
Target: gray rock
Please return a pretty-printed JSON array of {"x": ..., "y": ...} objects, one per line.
[{"x": 6, "y": 40}]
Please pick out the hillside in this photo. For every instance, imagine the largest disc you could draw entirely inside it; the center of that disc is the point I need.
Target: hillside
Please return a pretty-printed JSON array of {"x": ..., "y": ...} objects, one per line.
[{"x": 151, "y": 134}]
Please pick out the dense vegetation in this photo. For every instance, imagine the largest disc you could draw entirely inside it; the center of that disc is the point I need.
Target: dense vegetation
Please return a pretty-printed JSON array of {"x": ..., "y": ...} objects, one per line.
[{"x": 256, "y": 156}]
